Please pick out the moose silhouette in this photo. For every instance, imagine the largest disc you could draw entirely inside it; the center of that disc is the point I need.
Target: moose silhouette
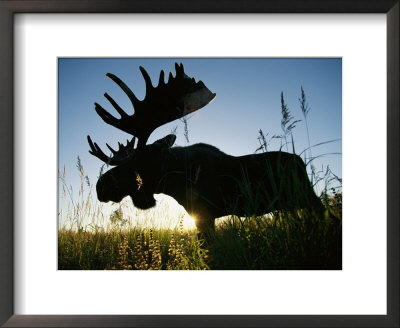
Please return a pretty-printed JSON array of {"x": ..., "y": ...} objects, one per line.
[{"x": 207, "y": 182}]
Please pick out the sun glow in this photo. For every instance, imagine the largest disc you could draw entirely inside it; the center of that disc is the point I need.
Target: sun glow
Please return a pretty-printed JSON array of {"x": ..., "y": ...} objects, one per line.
[
  {"x": 167, "y": 214},
  {"x": 172, "y": 213},
  {"x": 188, "y": 222}
]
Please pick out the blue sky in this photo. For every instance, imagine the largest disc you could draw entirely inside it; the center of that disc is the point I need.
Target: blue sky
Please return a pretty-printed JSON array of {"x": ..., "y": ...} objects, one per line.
[{"x": 248, "y": 99}]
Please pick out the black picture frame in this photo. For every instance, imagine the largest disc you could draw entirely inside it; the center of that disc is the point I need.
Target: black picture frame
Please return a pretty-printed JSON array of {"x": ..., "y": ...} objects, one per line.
[{"x": 11, "y": 7}]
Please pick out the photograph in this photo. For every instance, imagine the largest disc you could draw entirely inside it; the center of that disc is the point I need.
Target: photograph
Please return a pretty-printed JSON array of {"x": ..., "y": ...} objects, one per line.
[
  {"x": 199, "y": 163},
  {"x": 144, "y": 141}
]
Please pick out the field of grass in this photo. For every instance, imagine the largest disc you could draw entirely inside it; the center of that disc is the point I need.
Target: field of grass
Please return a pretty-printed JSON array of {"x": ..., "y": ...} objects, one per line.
[{"x": 282, "y": 241}]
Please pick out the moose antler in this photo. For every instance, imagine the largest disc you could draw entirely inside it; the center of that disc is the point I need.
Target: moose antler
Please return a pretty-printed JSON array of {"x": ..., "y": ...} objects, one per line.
[
  {"x": 165, "y": 103},
  {"x": 119, "y": 156}
]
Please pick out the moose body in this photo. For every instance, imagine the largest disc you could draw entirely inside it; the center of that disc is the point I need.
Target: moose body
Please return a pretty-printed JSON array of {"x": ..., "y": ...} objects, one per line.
[
  {"x": 205, "y": 181},
  {"x": 209, "y": 183}
]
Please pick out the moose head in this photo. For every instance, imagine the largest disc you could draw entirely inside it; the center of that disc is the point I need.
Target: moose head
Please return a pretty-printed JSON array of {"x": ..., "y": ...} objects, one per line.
[{"x": 138, "y": 166}]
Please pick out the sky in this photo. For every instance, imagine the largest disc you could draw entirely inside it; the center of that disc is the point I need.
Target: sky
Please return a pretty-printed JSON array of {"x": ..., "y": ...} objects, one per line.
[{"x": 248, "y": 99}]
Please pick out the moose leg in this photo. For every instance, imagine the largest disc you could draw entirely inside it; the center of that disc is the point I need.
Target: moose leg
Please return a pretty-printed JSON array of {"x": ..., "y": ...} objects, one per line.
[
  {"x": 309, "y": 201},
  {"x": 315, "y": 204},
  {"x": 205, "y": 228}
]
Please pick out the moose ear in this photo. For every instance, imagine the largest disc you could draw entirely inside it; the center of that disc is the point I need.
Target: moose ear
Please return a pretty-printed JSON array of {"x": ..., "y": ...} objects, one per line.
[{"x": 167, "y": 141}]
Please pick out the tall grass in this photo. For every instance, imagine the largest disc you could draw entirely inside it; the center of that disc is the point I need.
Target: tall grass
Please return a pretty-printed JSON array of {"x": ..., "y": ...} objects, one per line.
[
  {"x": 92, "y": 238},
  {"x": 130, "y": 249}
]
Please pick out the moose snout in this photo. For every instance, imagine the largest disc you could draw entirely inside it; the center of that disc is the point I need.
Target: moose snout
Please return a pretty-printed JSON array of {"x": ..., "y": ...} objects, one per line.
[
  {"x": 107, "y": 190},
  {"x": 102, "y": 191}
]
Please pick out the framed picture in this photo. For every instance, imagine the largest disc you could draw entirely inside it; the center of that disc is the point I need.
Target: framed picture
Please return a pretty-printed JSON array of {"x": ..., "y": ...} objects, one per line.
[{"x": 53, "y": 59}]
